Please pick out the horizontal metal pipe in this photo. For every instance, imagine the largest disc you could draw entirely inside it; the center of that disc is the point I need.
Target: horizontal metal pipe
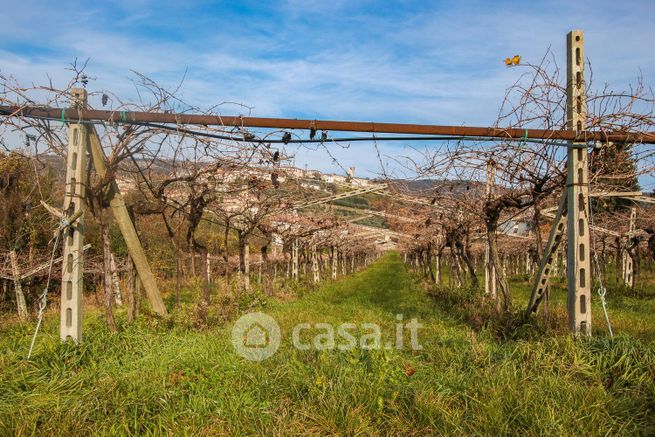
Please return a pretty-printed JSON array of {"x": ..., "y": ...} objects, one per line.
[{"x": 330, "y": 125}]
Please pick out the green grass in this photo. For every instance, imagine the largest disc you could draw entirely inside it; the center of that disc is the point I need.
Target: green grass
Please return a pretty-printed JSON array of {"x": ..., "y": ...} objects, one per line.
[
  {"x": 158, "y": 377},
  {"x": 629, "y": 314}
]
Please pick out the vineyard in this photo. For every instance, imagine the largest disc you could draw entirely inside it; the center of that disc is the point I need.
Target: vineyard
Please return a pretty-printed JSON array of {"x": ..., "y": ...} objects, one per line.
[{"x": 500, "y": 280}]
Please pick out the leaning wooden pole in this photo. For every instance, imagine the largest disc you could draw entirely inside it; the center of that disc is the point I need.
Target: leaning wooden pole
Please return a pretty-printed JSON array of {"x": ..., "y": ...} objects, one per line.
[
  {"x": 577, "y": 193},
  {"x": 124, "y": 221}
]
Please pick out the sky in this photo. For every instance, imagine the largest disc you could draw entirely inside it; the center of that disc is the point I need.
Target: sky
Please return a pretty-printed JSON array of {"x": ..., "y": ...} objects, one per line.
[{"x": 437, "y": 62}]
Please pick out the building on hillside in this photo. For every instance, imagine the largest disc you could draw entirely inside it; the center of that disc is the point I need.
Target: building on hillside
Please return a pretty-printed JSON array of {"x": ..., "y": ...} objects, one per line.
[
  {"x": 515, "y": 227},
  {"x": 360, "y": 182}
]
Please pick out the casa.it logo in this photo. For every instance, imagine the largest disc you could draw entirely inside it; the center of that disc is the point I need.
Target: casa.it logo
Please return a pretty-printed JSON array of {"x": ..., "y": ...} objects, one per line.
[{"x": 256, "y": 336}]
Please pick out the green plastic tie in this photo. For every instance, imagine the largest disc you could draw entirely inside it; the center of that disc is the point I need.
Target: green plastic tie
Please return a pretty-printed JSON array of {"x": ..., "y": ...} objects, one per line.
[
  {"x": 525, "y": 138},
  {"x": 63, "y": 116},
  {"x": 123, "y": 117}
]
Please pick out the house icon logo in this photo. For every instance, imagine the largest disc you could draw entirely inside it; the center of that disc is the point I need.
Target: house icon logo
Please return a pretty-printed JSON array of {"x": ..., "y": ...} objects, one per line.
[{"x": 256, "y": 336}]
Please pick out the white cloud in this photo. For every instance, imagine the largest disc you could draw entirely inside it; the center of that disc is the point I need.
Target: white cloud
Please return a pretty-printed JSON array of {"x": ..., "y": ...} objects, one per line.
[{"x": 326, "y": 59}]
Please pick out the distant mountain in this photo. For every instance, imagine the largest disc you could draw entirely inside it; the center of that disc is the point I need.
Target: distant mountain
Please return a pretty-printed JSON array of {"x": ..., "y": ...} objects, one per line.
[{"x": 430, "y": 187}]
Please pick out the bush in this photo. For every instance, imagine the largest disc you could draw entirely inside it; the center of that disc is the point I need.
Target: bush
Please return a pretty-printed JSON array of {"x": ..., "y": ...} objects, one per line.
[{"x": 471, "y": 306}]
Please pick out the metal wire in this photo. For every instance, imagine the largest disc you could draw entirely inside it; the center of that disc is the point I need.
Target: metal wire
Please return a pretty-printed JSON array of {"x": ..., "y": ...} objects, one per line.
[
  {"x": 43, "y": 299},
  {"x": 602, "y": 291}
]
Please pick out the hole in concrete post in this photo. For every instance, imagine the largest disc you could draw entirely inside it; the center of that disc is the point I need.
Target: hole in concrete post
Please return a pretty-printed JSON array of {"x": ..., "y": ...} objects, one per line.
[
  {"x": 583, "y": 304},
  {"x": 583, "y": 278},
  {"x": 577, "y": 56},
  {"x": 69, "y": 290},
  {"x": 581, "y": 252},
  {"x": 580, "y": 176},
  {"x": 69, "y": 263},
  {"x": 579, "y": 126},
  {"x": 578, "y": 83},
  {"x": 74, "y": 163},
  {"x": 580, "y": 202},
  {"x": 579, "y": 153},
  {"x": 69, "y": 317},
  {"x": 578, "y": 104},
  {"x": 75, "y": 136},
  {"x": 581, "y": 227}
]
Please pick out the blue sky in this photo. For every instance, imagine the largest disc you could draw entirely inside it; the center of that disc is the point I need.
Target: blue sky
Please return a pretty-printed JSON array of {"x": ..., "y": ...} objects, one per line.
[{"x": 405, "y": 61}]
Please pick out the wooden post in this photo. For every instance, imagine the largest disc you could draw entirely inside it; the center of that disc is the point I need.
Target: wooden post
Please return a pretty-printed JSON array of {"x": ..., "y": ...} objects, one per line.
[
  {"x": 555, "y": 266},
  {"x": 489, "y": 267},
  {"x": 505, "y": 264},
  {"x": 304, "y": 264},
  {"x": 210, "y": 280},
  {"x": 122, "y": 218},
  {"x": 527, "y": 263},
  {"x": 115, "y": 282},
  {"x": 334, "y": 263},
  {"x": 131, "y": 290},
  {"x": 246, "y": 266},
  {"x": 315, "y": 271},
  {"x": 294, "y": 259},
  {"x": 21, "y": 306},
  {"x": 628, "y": 267},
  {"x": 577, "y": 191},
  {"x": 73, "y": 263},
  {"x": 259, "y": 269}
]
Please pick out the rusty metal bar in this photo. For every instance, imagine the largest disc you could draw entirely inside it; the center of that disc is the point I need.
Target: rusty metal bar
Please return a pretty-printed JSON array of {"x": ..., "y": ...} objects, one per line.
[{"x": 73, "y": 114}]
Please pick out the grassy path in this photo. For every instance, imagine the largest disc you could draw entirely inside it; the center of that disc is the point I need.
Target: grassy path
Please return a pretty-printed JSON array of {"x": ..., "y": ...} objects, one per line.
[{"x": 155, "y": 379}]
